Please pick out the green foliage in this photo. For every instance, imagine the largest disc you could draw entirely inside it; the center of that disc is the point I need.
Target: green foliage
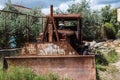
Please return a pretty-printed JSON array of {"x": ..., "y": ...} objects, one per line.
[
  {"x": 90, "y": 19},
  {"x": 118, "y": 35},
  {"x": 106, "y": 13},
  {"x": 109, "y": 15},
  {"x": 114, "y": 18},
  {"x": 109, "y": 30},
  {"x": 40, "y": 78},
  {"x": 101, "y": 63},
  {"x": 20, "y": 73},
  {"x": 101, "y": 60},
  {"x": 112, "y": 57},
  {"x": 93, "y": 20},
  {"x": 53, "y": 76},
  {"x": 12, "y": 24},
  {"x": 17, "y": 73},
  {"x": 59, "y": 11}
]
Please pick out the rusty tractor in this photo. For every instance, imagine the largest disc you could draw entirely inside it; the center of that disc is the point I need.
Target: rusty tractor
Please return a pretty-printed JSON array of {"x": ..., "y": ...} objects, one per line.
[{"x": 59, "y": 49}]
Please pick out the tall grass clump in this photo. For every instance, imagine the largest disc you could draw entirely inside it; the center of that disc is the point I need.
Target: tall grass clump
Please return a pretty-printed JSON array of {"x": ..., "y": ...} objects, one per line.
[
  {"x": 109, "y": 30},
  {"x": 112, "y": 57},
  {"x": 19, "y": 73}
]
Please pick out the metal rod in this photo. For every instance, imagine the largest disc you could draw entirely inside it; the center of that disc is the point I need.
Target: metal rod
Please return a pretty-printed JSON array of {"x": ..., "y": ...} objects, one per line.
[
  {"x": 51, "y": 10},
  {"x": 5, "y": 34}
]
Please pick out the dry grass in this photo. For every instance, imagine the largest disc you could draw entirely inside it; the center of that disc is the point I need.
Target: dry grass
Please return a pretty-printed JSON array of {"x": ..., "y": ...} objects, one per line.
[{"x": 111, "y": 73}]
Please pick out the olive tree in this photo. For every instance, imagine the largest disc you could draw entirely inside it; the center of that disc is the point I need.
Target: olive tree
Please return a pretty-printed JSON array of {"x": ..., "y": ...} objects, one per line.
[{"x": 90, "y": 21}]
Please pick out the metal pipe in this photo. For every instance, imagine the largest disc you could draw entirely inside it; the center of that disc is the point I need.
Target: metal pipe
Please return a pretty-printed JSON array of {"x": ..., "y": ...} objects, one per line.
[{"x": 51, "y": 10}]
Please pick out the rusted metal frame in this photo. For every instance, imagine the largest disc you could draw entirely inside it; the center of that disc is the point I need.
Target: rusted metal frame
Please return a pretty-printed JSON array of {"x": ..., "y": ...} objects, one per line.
[
  {"x": 79, "y": 32},
  {"x": 51, "y": 10},
  {"x": 50, "y": 33},
  {"x": 45, "y": 29},
  {"x": 65, "y": 56},
  {"x": 80, "y": 21},
  {"x": 56, "y": 32},
  {"x": 53, "y": 22},
  {"x": 27, "y": 18},
  {"x": 67, "y": 16},
  {"x": 50, "y": 24}
]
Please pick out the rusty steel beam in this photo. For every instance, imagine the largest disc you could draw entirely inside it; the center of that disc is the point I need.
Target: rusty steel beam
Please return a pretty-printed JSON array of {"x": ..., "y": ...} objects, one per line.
[
  {"x": 50, "y": 32},
  {"x": 51, "y": 10},
  {"x": 53, "y": 22},
  {"x": 66, "y": 16},
  {"x": 56, "y": 32}
]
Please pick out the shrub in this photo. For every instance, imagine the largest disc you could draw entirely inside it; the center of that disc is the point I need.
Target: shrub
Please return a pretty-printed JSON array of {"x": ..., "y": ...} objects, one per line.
[
  {"x": 109, "y": 31},
  {"x": 40, "y": 78},
  {"x": 118, "y": 35},
  {"x": 112, "y": 57},
  {"x": 53, "y": 76},
  {"x": 19, "y": 73},
  {"x": 101, "y": 62}
]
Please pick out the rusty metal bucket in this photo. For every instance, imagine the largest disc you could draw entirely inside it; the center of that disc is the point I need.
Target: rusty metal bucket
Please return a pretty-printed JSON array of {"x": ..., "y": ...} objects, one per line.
[{"x": 76, "y": 67}]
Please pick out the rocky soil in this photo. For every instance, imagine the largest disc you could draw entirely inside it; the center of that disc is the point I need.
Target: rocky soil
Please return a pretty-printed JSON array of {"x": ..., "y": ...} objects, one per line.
[{"x": 112, "y": 71}]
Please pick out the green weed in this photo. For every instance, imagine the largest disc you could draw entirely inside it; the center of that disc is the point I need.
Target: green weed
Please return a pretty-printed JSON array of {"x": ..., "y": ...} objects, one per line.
[
  {"x": 19, "y": 73},
  {"x": 112, "y": 57}
]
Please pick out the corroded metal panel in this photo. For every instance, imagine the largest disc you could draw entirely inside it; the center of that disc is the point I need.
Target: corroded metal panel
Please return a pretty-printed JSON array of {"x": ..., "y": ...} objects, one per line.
[
  {"x": 70, "y": 16},
  {"x": 61, "y": 48},
  {"x": 73, "y": 66}
]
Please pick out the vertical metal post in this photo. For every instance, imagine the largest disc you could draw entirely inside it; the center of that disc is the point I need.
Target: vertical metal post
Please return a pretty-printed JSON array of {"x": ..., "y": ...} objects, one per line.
[
  {"x": 53, "y": 22},
  {"x": 51, "y": 10},
  {"x": 79, "y": 31},
  {"x": 5, "y": 30},
  {"x": 50, "y": 28},
  {"x": 80, "y": 21}
]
